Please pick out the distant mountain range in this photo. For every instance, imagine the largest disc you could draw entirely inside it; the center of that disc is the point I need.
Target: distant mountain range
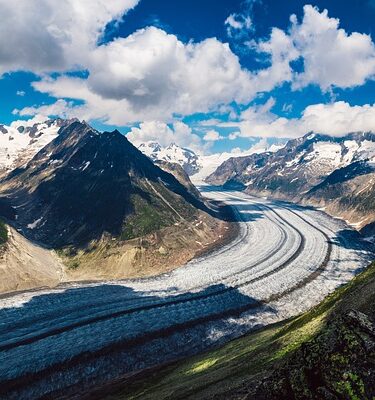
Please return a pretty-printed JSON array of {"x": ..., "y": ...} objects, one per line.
[
  {"x": 335, "y": 173},
  {"x": 195, "y": 165},
  {"x": 173, "y": 153},
  {"x": 20, "y": 141}
]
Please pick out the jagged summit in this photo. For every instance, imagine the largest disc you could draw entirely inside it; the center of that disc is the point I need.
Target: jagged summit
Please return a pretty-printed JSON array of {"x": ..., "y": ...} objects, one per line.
[{"x": 84, "y": 184}]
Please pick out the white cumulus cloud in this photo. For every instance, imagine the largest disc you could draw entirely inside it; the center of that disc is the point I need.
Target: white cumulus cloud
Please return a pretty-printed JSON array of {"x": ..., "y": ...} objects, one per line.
[
  {"x": 49, "y": 35},
  {"x": 152, "y": 75},
  {"x": 335, "y": 119},
  {"x": 212, "y": 136},
  {"x": 237, "y": 21},
  {"x": 240, "y": 25},
  {"x": 330, "y": 56}
]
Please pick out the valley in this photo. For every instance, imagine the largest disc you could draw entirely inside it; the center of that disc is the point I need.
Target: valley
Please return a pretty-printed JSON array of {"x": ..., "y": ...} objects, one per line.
[
  {"x": 115, "y": 263},
  {"x": 187, "y": 200},
  {"x": 285, "y": 260}
]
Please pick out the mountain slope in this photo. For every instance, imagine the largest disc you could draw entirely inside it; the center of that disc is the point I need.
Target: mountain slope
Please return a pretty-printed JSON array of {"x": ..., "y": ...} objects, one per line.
[
  {"x": 85, "y": 183},
  {"x": 180, "y": 174},
  {"x": 197, "y": 166},
  {"x": 302, "y": 164},
  {"x": 25, "y": 265},
  {"x": 336, "y": 173},
  {"x": 237, "y": 168},
  {"x": 348, "y": 192},
  {"x": 107, "y": 208}
]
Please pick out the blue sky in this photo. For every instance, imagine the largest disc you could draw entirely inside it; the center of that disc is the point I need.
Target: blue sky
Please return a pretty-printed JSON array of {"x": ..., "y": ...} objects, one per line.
[{"x": 214, "y": 76}]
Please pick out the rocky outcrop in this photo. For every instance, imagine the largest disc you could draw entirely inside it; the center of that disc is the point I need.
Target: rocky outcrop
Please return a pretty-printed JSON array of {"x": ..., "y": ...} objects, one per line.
[
  {"x": 181, "y": 175},
  {"x": 26, "y": 265},
  {"x": 337, "y": 364}
]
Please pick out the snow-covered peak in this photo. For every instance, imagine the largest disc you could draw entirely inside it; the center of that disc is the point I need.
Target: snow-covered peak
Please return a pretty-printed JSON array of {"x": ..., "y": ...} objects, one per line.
[
  {"x": 173, "y": 153},
  {"x": 149, "y": 148},
  {"x": 21, "y": 140},
  {"x": 340, "y": 152}
]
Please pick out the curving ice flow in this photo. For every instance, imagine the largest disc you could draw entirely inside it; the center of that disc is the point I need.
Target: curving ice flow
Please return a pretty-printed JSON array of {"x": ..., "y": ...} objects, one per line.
[{"x": 285, "y": 259}]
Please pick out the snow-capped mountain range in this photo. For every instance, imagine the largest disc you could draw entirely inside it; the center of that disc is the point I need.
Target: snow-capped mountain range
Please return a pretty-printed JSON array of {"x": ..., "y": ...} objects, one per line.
[
  {"x": 300, "y": 165},
  {"x": 21, "y": 140},
  {"x": 335, "y": 173},
  {"x": 196, "y": 165}
]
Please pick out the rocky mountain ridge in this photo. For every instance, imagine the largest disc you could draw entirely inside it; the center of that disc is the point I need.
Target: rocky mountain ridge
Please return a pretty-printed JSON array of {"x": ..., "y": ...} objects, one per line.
[
  {"x": 197, "y": 166},
  {"x": 334, "y": 173},
  {"x": 85, "y": 183},
  {"x": 105, "y": 207}
]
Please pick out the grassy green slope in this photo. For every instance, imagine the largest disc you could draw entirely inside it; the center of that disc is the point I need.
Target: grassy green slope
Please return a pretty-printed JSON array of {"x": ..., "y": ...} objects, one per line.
[
  {"x": 326, "y": 353},
  {"x": 3, "y": 233}
]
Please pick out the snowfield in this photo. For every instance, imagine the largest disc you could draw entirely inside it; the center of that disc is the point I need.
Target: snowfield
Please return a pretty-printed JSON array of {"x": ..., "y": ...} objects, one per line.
[
  {"x": 20, "y": 141},
  {"x": 285, "y": 260}
]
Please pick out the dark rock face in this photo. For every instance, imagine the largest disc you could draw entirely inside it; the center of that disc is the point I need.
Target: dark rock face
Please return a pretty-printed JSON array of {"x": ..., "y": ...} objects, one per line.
[
  {"x": 350, "y": 188},
  {"x": 342, "y": 175},
  {"x": 6, "y": 210},
  {"x": 369, "y": 230},
  {"x": 85, "y": 184},
  {"x": 234, "y": 185},
  {"x": 181, "y": 175}
]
